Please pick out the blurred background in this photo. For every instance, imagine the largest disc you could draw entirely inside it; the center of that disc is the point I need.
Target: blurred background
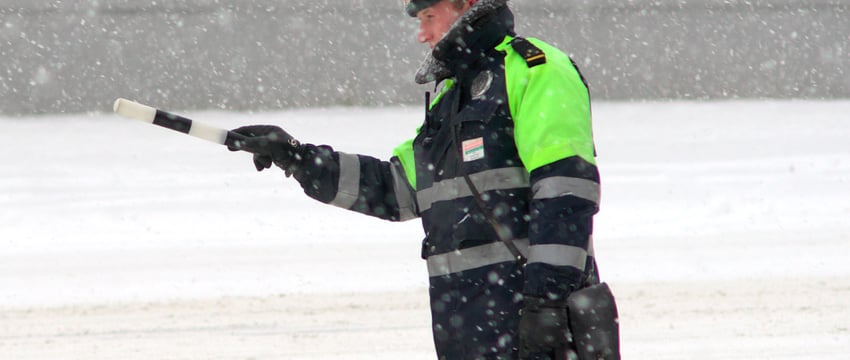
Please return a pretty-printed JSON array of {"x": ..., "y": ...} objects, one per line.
[{"x": 78, "y": 56}]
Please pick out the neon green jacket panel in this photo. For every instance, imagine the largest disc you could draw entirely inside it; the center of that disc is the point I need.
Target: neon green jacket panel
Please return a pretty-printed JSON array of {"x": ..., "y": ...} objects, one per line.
[
  {"x": 550, "y": 107},
  {"x": 404, "y": 153}
]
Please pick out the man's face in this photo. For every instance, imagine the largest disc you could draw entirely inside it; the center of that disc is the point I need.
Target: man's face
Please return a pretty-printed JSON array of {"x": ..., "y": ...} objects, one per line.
[{"x": 436, "y": 20}]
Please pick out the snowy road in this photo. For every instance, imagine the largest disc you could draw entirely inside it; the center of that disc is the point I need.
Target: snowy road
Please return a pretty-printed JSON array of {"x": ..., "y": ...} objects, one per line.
[
  {"x": 766, "y": 319},
  {"x": 723, "y": 232}
]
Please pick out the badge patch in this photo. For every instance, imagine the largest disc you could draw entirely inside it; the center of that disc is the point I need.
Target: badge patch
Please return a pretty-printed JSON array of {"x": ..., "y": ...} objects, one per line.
[
  {"x": 481, "y": 84},
  {"x": 473, "y": 149}
]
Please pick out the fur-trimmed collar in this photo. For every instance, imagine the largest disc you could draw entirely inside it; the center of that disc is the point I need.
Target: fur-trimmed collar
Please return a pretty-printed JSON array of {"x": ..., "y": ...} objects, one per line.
[{"x": 433, "y": 69}]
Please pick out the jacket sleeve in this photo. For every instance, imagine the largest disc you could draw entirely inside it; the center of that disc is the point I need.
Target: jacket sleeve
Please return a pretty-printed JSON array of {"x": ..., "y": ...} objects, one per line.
[
  {"x": 551, "y": 110},
  {"x": 356, "y": 182}
]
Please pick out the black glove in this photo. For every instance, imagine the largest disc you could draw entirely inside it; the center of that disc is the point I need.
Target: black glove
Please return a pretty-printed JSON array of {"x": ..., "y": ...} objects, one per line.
[
  {"x": 269, "y": 144},
  {"x": 543, "y": 329}
]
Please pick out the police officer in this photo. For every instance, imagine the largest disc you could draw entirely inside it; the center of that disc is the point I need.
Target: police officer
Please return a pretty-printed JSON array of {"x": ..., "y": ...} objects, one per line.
[{"x": 503, "y": 175}]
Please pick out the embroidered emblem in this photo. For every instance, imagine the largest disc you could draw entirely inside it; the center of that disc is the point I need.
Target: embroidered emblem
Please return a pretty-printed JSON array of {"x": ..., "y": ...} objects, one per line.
[
  {"x": 481, "y": 84},
  {"x": 473, "y": 149}
]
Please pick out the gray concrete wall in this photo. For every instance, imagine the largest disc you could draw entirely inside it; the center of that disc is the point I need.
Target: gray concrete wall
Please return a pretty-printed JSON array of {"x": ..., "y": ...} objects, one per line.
[{"x": 75, "y": 56}]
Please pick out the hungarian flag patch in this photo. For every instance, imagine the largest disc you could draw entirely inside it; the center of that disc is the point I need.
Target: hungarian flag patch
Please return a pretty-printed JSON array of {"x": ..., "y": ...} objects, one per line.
[{"x": 473, "y": 149}]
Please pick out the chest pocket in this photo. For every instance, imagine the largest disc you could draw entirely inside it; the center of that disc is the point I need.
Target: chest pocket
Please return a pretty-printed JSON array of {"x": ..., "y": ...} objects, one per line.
[
  {"x": 477, "y": 111},
  {"x": 474, "y": 122},
  {"x": 484, "y": 135}
]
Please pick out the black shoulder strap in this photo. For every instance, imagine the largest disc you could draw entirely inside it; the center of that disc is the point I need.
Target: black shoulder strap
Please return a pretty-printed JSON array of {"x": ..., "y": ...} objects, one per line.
[{"x": 532, "y": 54}]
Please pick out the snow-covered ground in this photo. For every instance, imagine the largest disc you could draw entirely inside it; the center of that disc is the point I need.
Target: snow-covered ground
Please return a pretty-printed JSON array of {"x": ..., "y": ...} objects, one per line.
[{"x": 723, "y": 232}]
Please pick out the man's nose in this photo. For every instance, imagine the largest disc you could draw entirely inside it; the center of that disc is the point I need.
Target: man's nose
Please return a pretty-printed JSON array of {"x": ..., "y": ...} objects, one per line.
[{"x": 422, "y": 35}]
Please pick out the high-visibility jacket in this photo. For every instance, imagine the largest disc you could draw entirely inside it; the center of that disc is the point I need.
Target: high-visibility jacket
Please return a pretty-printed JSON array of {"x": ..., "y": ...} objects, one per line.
[
  {"x": 526, "y": 143},
  {"x": 523, "y": 135}
]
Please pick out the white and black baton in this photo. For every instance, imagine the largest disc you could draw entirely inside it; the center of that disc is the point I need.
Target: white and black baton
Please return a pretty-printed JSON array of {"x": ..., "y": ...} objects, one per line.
[{"x": 134, "y": 110}]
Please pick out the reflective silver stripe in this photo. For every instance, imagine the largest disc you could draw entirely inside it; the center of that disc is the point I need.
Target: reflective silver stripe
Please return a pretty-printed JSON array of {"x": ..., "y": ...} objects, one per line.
[
  {"x": 474, "y": 257},
  {"x": 557, "y": 186},
  {"x": 558, "y": 255},
  {"x": 495, "y": 179},
  {"x": 403, "y": 193},
  {"x": 348, "y": 187},
  {"x": 590, "y": 251}
]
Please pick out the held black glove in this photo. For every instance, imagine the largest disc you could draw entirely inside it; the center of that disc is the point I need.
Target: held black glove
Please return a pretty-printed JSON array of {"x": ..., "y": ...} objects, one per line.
[
  {"x": 543, "y": 331},
  {"x": 269, "y": 144}
]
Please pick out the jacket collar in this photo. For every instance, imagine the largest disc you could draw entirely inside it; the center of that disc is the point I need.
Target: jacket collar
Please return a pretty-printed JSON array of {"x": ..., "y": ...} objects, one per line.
[{"x": 477, "y": 31}]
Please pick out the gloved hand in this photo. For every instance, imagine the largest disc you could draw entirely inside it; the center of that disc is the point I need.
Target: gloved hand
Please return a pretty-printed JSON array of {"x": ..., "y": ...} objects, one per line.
[
  {"x": 543, "y": 329},
  {"x": 269, "y": 144}
]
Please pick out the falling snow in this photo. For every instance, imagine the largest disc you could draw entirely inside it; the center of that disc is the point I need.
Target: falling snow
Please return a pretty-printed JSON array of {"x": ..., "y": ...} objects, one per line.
[{"x": 723, "y": 228}]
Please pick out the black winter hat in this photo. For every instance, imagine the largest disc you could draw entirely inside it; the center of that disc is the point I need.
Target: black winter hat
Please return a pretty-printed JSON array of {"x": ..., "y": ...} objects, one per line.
[{"x": 415, "y": 6}]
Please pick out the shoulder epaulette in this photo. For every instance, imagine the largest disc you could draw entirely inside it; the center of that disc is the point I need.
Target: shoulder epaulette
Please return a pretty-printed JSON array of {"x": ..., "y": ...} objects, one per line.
[{"x": 532, "y": 54}]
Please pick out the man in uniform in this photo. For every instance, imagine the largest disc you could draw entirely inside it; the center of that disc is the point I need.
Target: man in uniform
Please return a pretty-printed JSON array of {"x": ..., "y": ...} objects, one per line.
[{"x": 503, "y": 175}]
